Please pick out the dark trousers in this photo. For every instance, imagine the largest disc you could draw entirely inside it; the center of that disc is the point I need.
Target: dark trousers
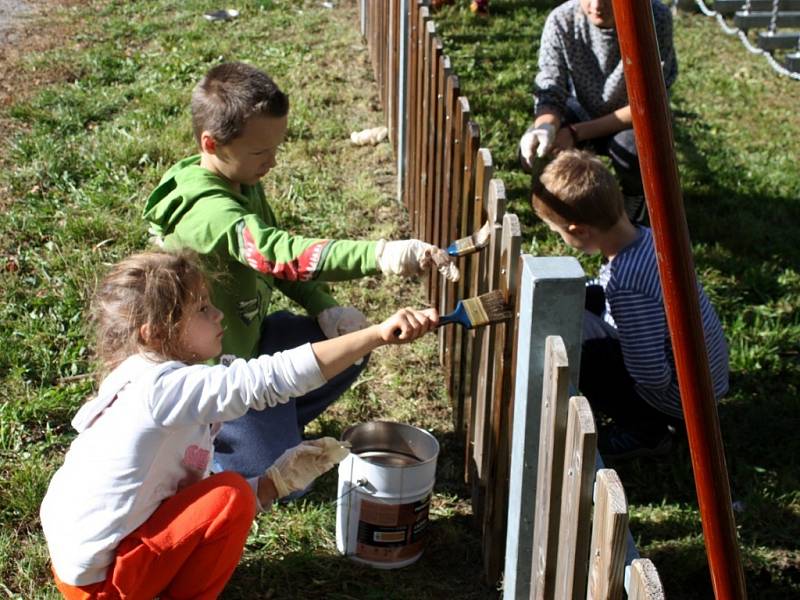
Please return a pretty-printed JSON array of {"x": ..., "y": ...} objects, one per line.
[
  {"x": 606, "y": 383},
  {"x": 250, "y": 444}
]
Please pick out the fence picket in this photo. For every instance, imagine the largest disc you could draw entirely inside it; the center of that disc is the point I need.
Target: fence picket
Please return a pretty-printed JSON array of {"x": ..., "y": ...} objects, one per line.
[
  {"x": 644, "y": 584},
  {"x": 460, "y": 131},
  {"x": 476, "y": 265},
  {"x": 576, "y": 500},
  {"x": 456, "y": 387},
  {"x": 609, "y": 538},
  {"x": 550, "y": 471},
  {"x": 495, "y": 208},
  {"x": 499, "y": 449}
]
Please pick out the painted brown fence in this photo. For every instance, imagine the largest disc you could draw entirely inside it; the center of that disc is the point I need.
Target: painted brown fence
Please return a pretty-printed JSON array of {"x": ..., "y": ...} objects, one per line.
[{"x": 496, "y": 376}]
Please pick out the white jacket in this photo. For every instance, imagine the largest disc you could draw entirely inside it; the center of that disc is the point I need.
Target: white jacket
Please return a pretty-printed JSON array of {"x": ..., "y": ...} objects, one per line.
[{"x": 147, "y": 434}]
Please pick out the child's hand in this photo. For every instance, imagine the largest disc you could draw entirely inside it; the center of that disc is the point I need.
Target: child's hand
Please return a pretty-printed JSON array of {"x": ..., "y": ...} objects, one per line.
[
  {"x": 407, "y": 325},
  {"x": 411, "y": 257},
  {"x": 297, "y": 467}
]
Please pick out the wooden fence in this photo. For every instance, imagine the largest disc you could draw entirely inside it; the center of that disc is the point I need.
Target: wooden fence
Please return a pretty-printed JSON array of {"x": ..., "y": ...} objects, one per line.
[{"x": 508, "y": 383}]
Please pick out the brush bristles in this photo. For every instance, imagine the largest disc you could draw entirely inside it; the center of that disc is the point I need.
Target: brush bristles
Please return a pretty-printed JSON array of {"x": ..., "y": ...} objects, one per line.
[
  {"x": 473, "y": 243},
  {"x": 464, "y": 246},
  {"x": 482, "y": 235},
  {"x": 486, "y": 308}
]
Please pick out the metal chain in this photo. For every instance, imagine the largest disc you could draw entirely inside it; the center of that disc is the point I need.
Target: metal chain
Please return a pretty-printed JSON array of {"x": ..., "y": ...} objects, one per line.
[
  {"x": 773, "y": 20},
  {"x": 779, "y": 68}
]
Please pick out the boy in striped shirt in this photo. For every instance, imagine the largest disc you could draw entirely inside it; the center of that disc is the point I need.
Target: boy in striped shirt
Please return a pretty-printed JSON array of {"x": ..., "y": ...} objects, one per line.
[{"x": 627, "y": 366}]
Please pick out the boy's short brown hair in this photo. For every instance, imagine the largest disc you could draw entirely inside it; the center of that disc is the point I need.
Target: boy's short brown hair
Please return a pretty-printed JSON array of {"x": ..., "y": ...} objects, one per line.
[
  {"x": 230, "y": 94},
  {"x": 577, "y": 188}
]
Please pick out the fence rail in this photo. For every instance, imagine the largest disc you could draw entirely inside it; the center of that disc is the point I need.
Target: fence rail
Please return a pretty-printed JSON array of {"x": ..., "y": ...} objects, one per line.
[{"x": 508, "y": 383}]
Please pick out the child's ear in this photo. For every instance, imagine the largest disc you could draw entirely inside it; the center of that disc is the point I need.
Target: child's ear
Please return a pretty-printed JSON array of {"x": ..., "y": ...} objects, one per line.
[
  {"x": 145, "y": 333},
  {"x": 207, "y": 143},
  {"x": 578, "y": 231}
]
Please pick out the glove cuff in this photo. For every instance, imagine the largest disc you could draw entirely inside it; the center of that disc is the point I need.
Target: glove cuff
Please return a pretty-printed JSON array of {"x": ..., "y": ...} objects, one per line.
[{"x": 277, "y": 480}]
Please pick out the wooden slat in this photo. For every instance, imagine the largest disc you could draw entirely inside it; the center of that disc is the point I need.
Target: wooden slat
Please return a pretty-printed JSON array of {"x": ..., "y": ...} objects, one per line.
[
  {"x": 394, "y": 69},
  {"x": 447, "y": 303},
  {"x": 476, "y": 264},
  {"x": 452, "y": 91},
  {"x": 499, "y": 448},
  {"x": 550, "y": 471},
  {"x": 411, "y": 103},
  {"x": 495, "y": 209},
  {"x": 644, "y": 583},
  {"x": 576, "y": 500},
  {"x": 456, "y": 381},
  {"x": 422, "y": 87},
  {"x": 433, "y": 133},
  {"x": 609, "y": 538},
  {"x": 439, "y": 168}
]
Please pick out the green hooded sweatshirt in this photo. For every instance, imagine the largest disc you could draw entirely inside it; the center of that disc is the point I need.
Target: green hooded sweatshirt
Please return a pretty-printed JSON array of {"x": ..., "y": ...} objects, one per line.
[{"x": 238, "y": 236}]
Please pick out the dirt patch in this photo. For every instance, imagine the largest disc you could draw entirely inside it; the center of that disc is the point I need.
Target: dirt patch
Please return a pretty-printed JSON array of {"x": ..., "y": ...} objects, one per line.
[{"x": 29, "y": 27}]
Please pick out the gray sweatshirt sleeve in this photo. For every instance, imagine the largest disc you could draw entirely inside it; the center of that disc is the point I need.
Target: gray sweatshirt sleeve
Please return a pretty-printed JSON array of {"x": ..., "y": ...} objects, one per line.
[{"x": 552, "y": 80}]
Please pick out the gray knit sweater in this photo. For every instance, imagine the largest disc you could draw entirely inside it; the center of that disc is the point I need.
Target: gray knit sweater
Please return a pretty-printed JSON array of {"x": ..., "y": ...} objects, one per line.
[{"x": 583, "y": 60}]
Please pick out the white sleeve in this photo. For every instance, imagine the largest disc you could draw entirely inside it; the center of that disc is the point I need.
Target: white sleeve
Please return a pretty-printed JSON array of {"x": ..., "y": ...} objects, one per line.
[{"x": 204, "y": 394}]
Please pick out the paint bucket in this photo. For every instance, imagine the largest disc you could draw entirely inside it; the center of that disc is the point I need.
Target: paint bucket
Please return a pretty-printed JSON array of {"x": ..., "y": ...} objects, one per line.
[{"x": 384, "y": 494}]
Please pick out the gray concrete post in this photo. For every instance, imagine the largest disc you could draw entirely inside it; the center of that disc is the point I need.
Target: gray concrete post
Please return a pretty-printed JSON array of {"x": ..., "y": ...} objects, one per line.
[{"x": 552, "y": 294}]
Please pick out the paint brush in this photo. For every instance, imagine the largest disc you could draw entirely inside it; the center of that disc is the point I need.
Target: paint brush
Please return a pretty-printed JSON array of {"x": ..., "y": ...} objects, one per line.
[
  {"x": 473, "y": 243},
  {"x": 479, "y": 311}
]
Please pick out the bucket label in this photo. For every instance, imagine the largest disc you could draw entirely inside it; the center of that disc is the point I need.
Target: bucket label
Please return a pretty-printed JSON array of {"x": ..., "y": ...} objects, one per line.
[{"x": 392, "y": 532}]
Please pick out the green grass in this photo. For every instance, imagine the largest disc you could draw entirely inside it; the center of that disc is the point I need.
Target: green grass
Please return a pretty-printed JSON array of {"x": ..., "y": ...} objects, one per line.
[{"x": 83, "y": 150}]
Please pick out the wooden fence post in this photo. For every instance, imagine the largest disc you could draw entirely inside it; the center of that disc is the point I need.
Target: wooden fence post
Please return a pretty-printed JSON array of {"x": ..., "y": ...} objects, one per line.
[
  {"x": 402, "y": 99},
  {"x": 643, "y": 581},
  {"x": 550, "y": 470},
  {"x": 498, "y": 449},
  {"x": 576, "y": 500},
  {"x": 449, "y": 290},
  {"x": 459, "y": 335},
  {"x": 551, "y": 303},
  {"x": 609, "y": 538},
  {"x": 484, "y": 385}
]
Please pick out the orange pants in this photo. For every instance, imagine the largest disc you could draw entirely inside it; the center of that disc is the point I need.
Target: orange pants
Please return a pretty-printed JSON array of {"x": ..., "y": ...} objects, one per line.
[{"x": 188, "y": 548}]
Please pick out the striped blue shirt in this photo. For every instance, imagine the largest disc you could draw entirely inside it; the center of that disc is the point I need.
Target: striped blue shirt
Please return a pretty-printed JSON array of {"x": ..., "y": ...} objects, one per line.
[{"x": 635, "y": 307}]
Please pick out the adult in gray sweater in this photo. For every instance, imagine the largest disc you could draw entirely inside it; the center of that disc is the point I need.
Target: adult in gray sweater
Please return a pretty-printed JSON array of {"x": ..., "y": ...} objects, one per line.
[{"x": 580, "y": 94}]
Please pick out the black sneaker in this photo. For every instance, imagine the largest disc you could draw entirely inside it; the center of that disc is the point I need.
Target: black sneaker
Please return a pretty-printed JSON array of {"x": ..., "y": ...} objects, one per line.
[
  {"x": 617, "y": 443},
  {"x": 636, "y": 209}
]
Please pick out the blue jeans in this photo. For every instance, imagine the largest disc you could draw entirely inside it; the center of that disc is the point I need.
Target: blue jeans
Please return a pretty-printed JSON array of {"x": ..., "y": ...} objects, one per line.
[{"x": 250, "y": 444}]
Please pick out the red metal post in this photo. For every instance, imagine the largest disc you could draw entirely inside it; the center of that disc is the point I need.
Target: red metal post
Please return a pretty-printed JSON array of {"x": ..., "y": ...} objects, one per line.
[{"x": 654, "y": 141}]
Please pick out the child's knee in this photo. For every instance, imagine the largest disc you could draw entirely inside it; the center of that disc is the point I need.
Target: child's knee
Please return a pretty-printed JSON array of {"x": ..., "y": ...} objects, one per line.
[{"x": 241, "y": 501}]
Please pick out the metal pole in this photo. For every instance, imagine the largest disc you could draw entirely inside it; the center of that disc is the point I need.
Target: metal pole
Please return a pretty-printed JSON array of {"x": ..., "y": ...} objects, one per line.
[{"x": 654, "y": 141}]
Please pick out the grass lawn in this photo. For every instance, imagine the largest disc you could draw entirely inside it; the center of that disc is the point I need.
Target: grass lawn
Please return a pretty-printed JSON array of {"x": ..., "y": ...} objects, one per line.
[{"x": 96, "y": 110}]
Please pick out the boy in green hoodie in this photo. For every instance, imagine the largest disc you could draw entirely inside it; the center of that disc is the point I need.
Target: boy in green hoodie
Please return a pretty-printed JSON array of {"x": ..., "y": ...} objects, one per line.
[{"x": 214, "y": 204}]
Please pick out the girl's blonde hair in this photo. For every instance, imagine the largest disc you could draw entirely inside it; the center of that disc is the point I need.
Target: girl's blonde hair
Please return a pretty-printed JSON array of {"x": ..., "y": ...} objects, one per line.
[{"x": 152, "y": 289}]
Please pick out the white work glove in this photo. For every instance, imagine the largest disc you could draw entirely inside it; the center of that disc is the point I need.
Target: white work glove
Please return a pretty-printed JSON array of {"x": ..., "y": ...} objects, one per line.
[
  {"x": 410, "y": 257},
  {"x": 541, "y": 138},
  {"x": 296, "y": 468},
  {"x": 338, "y": 320}
]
